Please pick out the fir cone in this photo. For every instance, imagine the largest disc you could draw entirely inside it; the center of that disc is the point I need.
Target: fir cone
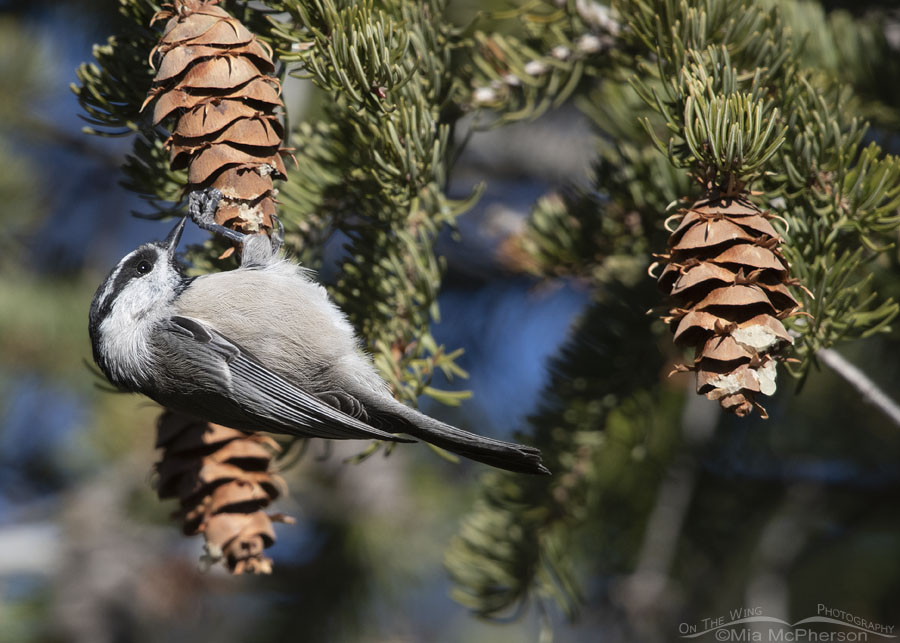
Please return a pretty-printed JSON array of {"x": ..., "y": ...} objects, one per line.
[
  {"x": 222, "y": 480},
  {"x": 727, "y": 285},
  {"x": 213, "y": 84},
  {"x": 213, "y": 80}
]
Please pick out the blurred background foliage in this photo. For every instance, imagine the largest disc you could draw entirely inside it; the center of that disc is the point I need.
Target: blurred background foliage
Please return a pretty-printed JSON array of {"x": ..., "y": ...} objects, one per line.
[{"x": 662, "y": 510}]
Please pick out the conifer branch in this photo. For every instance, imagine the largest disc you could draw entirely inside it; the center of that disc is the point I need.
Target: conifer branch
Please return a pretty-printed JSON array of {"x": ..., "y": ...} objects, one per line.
[
  {"x": 732, "y": 106},
  {"x": 375, "y": 168},
  {"x": 870, "y": 392}
]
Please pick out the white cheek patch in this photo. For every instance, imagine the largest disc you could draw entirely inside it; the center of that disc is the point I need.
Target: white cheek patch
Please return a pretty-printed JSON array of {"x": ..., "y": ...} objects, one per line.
[
  {"x": 126, "y": 331},
  {"x": 125, "y": 345}
]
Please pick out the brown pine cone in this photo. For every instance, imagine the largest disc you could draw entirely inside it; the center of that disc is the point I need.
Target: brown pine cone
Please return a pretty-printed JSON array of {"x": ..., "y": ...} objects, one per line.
[{"x": 728, "y": 283}]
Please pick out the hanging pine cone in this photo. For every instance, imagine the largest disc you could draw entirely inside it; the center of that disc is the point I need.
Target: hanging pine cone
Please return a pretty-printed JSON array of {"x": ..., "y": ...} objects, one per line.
[
  {"x": 727, "y": 284},
  {"x": 222, "y": 480},
  {"x": 213, "y": 78},
  {"x": 213, "y": 82}
]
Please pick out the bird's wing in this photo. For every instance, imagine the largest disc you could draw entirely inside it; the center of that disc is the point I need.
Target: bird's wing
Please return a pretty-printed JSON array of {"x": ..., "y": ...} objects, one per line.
[{"x": 228, "y": 385}]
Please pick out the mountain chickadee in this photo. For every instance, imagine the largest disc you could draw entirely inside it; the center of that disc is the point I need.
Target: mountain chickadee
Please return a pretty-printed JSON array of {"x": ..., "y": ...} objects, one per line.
[{"x": 261, "y": 347}]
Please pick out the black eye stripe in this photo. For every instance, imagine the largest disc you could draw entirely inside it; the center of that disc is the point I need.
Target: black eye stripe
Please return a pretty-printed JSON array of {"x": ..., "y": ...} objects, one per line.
[
  {"x": 127, "y": 272},
  {"x": 139, "y": 265}
]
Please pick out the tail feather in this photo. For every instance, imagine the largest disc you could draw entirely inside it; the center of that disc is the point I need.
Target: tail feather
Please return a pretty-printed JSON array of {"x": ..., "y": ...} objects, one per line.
[{"x": 497, "y": 453}]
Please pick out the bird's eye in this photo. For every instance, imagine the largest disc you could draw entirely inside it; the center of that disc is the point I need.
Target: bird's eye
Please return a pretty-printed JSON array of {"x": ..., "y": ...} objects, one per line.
[{"x": 144, "y": 267}]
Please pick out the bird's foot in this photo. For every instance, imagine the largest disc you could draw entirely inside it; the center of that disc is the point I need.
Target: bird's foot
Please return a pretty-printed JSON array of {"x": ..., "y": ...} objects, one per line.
[
  {"x": 277, "y": 236},
  {"x": 202, "y": 206}
]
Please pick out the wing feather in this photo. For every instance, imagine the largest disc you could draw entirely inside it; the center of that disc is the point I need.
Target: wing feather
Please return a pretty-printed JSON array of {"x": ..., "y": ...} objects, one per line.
[{"x": 238, "y": 390}]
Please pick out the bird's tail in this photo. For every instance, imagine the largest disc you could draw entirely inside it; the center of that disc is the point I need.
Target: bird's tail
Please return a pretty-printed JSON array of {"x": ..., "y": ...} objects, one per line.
[{"x": 503, "y": 455}]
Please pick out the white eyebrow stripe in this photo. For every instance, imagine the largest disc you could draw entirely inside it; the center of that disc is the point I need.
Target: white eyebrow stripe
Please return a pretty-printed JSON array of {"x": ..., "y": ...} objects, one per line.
[{"x": 112, "y": 277}]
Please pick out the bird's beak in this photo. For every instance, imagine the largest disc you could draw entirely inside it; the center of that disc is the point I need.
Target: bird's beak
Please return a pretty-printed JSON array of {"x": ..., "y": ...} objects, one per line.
[{"x": 171, "y": 242}]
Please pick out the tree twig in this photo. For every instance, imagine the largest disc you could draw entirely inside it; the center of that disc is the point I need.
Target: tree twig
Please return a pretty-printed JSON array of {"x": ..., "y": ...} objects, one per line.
[{"x": 868, "y": 389}]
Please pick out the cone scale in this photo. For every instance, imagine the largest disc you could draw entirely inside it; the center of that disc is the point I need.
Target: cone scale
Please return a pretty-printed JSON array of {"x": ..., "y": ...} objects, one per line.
[{"x": 727, "y": 286}]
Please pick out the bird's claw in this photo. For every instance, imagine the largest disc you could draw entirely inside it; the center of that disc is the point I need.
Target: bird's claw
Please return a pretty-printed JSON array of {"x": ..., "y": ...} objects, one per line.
[
  {"x": 202, "y": 205},
  {"x": 277, "y": 236}
]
